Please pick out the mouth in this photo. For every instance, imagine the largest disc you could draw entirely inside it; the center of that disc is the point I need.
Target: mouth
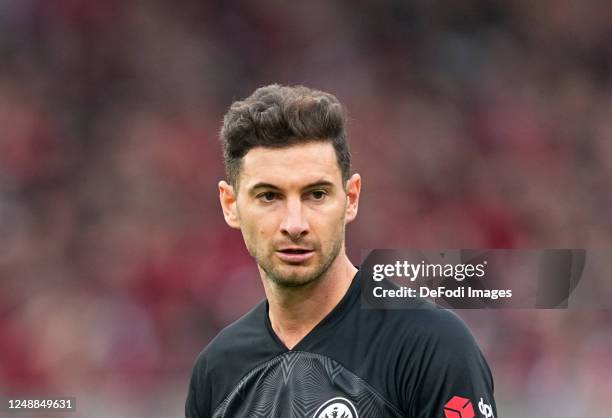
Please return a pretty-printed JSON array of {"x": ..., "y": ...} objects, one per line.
[{"x": 294, "y": 255}]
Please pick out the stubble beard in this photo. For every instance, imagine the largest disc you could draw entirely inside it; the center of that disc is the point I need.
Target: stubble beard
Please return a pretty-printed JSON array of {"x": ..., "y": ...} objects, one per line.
[{"x": 296, "y": 279}]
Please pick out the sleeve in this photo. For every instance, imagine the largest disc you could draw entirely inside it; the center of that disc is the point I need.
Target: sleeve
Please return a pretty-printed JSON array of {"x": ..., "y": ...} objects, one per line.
[
  {"x": 199, "y": 394},
  {"x": 456, "y": 381}
]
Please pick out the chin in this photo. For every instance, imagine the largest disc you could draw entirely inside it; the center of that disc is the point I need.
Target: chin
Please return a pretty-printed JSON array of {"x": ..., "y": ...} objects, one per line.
[{"x": 285, "y": 277}]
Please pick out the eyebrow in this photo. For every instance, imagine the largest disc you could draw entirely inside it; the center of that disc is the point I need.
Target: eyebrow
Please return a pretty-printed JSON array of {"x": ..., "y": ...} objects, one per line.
[{"x": 319, "y": 183}]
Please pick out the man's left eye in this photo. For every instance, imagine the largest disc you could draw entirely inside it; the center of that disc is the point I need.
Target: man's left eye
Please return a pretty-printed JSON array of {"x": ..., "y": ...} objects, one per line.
[{"x": 318, "y": 194}]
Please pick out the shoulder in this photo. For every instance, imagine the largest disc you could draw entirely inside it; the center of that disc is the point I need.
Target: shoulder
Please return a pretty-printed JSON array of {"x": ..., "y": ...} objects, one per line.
[
  {"x": 230, "y": 355},
  {"x": 420, "y": 339},
  {"x": 435, "y": 356},
  {"x": 440, "y": 325},
  {"x": 443, "y": 351},
  {"x": 408, "y": 353},
  {"x": 409, "y": 319},
  {"x": 436, "y": 333},
  {"x": 234, "y": 338},
  {"x": 425, "y": 322}
]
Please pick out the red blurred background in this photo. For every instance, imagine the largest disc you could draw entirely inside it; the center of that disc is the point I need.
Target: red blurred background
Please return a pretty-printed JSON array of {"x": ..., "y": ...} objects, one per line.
[{"x": 474, "y": 123}]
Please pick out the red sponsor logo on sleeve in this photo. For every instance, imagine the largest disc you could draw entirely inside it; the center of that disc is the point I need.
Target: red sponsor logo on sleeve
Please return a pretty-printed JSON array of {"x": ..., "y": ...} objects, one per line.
[{"x": 459, "y": 407}]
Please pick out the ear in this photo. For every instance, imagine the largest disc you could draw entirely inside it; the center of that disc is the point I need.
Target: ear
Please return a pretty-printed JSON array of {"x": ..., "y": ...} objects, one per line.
[
  {"x": 353, "y": 188},
  {"x": 227, "y": 197}
]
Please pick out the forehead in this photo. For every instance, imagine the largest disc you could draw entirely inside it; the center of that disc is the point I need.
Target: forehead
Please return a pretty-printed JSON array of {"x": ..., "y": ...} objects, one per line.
[{"x": 292, "y": 166}]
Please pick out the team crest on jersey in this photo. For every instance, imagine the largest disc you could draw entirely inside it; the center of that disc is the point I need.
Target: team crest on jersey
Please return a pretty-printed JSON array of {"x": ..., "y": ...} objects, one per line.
[{"x": 336, "y": 408}]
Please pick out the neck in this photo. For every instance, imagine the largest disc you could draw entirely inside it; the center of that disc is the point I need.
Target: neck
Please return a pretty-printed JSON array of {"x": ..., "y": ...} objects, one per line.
[{"x": 295, "y": 311}]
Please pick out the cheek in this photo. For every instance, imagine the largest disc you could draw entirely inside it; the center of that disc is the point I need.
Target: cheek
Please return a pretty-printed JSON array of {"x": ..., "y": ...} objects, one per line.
[
  {"x": 258, "y": 233},
  {"x": 330, "y": 224}
]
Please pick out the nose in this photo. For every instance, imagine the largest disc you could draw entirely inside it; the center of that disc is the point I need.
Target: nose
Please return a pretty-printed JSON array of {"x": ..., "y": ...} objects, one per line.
[{"x": 294, "y": 222}]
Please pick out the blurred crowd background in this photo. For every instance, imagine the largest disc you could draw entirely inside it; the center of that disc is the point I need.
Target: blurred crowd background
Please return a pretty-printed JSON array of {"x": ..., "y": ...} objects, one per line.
[{"x": 474, "y": 123}]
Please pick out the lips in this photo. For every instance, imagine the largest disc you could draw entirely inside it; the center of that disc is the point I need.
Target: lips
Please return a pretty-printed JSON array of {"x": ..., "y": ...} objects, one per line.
[{"x": 294, "y": 254}]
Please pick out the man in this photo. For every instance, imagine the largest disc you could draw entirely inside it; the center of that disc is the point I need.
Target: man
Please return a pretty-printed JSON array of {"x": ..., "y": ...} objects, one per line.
[{"x": 309, "y": 350}]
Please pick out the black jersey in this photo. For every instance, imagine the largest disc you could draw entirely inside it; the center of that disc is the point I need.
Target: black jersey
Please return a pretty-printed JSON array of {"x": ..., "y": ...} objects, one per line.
[{"x": 355, "y": 363}]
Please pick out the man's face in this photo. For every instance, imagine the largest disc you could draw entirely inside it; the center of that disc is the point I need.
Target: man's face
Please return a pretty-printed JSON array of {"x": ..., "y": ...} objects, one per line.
[{"x": 292, "y": 209}]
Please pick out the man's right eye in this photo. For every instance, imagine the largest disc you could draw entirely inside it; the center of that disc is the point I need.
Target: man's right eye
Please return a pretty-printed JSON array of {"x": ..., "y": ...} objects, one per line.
[{"x": 267, "y": 197}]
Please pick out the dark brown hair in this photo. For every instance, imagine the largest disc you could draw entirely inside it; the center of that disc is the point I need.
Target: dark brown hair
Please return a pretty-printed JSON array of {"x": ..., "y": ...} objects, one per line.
[{"x": 277, "y": 116}]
